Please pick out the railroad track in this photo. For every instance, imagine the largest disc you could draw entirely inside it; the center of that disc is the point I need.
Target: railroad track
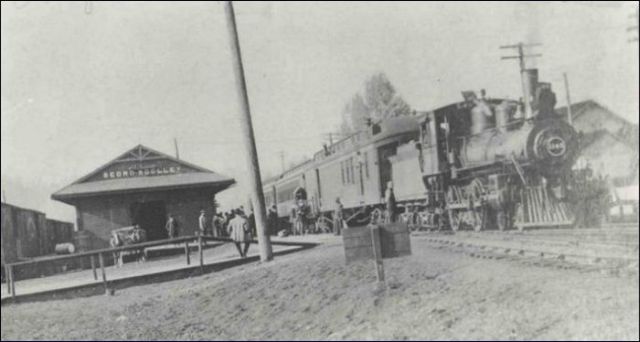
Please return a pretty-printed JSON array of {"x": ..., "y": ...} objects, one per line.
[{"x": 617, "y": 255}]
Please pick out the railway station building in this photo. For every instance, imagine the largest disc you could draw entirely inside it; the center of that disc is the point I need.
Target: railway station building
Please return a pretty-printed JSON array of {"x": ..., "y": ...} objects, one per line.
[
  {"x": 142, "y": 186},
  {"x": 609, "y": 143}
]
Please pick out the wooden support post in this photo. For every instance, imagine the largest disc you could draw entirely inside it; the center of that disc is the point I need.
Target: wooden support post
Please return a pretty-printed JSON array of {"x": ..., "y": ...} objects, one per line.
[
  {"x": 93, "y": 267},
  {"x": 201, "y": 254},
  {"x": 13, "y": 282},
  {"x": 186, "y": 252},
  {"x": 7, "y": 277},
  {"x": 377, "y": 255},
  {"x": 104, "y": 273},
  {"x": 527, "y": 195}
]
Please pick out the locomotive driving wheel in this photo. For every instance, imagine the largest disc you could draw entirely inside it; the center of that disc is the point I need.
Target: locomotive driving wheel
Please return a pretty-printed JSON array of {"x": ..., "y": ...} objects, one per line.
[{"x": 477, "y": 207}]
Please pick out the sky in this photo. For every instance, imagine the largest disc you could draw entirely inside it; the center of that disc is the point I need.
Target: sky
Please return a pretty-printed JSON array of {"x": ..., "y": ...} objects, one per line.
[{"x": 83, "y": 82}]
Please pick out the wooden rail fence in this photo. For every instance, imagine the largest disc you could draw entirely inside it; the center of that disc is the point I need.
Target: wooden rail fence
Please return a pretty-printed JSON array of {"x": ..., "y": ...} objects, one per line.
[{"x": 99, "y": 253}]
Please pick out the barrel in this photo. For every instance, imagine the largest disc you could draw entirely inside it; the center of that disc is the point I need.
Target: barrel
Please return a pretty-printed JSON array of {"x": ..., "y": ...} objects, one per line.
[
  {"x": 83, "y": 241},
  {"x": 65, "y": 248}
]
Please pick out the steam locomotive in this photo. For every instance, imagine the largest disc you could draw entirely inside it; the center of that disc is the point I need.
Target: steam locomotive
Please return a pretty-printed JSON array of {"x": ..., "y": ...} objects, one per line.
[{"x": 476, "y": 164}]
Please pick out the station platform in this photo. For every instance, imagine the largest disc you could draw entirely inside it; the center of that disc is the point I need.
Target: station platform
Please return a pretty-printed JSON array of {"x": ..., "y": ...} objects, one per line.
[{"x": 163, "y": 264}]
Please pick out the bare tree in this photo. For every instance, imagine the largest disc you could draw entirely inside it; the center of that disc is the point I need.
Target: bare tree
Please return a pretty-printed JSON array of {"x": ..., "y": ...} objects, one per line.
[
  {"x": 355, "y": 114},
  {"x": 379, "y": 102}
]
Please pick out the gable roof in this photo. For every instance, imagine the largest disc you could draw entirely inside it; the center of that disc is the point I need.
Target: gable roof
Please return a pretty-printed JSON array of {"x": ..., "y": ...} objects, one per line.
[
  {"x": 582, "y": 107},
  {"x": 93, "y": 185},
  {"x": 629, "y": 133},
  {"x": 140, "y": 152}
]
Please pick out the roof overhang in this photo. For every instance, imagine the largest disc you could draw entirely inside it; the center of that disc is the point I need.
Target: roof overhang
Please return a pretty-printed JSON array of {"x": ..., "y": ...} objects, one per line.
[
  {"x": 143, "y": 170},
  {"x": 197, "y": 180}
]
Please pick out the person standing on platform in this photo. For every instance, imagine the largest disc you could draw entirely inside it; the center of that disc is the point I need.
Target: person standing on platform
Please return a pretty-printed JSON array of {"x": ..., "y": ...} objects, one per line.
[
  {"x": 272, "y": 219},
  {"x": 239, "y": 233},
  {"x": 172, "y": 227},
  {"x": 338, "y": 219},
  {"x": 390, "y": 202},
  {"x": 251, "y": 219},
  {"x": 217, "y": 224},
  {"x": 226, "y": 218},
  {"x": 202, "y": 224}
]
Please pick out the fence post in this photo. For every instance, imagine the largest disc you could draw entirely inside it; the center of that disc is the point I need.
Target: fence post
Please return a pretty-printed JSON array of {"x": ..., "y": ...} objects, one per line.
[
  {"x": 7, "y": 277},
  {"x": 104, "y": 273},
  {"x": 13, "y": 282},
  {"x": 377, "y": 254},
  {"x": 186, "y": 252},
  {"x": 93, "y": 267},
  {"x": 201, "y": 254}
]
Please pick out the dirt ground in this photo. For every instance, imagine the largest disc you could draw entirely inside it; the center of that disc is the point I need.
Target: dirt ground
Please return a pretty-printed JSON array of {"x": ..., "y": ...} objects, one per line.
[{"x": 433, "y": 294}]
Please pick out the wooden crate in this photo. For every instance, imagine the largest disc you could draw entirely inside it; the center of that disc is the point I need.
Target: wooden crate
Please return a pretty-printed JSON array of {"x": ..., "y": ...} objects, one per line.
[{"x": 394, "y": 239}]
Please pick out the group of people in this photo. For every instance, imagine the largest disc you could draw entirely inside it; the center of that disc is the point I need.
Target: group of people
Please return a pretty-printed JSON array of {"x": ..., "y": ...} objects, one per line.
[
  {"x": 241, "y": 227},
  {"x": 234, "y": 224},
  {"x": 128, "y": 236},
  {"x": 591, "y": 198}
]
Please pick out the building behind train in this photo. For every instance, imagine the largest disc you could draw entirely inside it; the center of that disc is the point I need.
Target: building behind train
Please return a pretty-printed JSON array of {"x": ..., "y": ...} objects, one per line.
[{"x": 28, "y": 234}]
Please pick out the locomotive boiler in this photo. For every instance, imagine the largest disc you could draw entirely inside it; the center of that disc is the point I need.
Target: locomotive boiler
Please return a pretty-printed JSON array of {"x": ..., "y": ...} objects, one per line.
[{"x": 492, "y": 162}]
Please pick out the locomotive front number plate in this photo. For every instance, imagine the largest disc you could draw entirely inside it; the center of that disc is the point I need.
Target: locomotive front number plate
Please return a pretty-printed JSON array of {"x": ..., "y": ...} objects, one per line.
[{"x": 394, "y": 241}]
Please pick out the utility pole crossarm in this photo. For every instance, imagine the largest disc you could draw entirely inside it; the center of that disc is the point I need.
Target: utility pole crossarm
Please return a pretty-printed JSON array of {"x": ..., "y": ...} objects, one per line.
[
  {"x": 521, "y": 57},
  {"x": 516, "y": 46},
  {"x": 525, "y": 56}
]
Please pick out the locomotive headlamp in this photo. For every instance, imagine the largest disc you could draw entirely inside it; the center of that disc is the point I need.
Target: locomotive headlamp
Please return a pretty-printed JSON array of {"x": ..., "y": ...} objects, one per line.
[
  {"x": 551, "y": 143},
  {"x": 556, "y": 146}
]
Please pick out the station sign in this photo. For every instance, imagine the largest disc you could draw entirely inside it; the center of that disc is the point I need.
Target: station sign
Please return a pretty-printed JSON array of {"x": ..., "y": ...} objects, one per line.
[{"x": 141, "y": 172}]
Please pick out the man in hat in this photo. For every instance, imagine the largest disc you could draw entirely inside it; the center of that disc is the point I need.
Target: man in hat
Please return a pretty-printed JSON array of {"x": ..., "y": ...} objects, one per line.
[
  {"x": 172, "y": 227},
  {"x": 239, "y": 232},
  {"x": 202, "y": 223},
  {"x": 272, "y": 219},
  {"x": 338, "y": 218},
  {"x": 390, "y": 201},
  {"x": 217, "y": 224}
]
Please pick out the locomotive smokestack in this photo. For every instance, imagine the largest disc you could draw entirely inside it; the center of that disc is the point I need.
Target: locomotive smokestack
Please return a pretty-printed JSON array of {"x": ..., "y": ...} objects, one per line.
[{"x": 529, "y": 85}]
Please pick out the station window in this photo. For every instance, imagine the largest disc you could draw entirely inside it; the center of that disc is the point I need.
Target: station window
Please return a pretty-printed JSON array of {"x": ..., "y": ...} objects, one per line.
[
  {"x": 346, "y": 172},
  {"x": 353, "y": 175},
  {"x": 366, "y": 165}
]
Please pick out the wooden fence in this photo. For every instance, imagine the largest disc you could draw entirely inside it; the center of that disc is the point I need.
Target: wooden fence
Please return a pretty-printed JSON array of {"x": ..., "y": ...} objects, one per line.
[{"x": 99, "y": 254}]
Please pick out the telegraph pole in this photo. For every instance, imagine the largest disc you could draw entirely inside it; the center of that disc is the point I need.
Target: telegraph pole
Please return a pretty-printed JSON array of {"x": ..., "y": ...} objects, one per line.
[
  {"x": 175, "y": 144},
  {"x": 255, "y": 183},
  {"x": 331, "y": 135},
  {"x": 634, "y": 28},
  {"x": 282, "y": 160},
  {"x": 521, "y": 59},
  {"x": 566, "y": 89}
]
